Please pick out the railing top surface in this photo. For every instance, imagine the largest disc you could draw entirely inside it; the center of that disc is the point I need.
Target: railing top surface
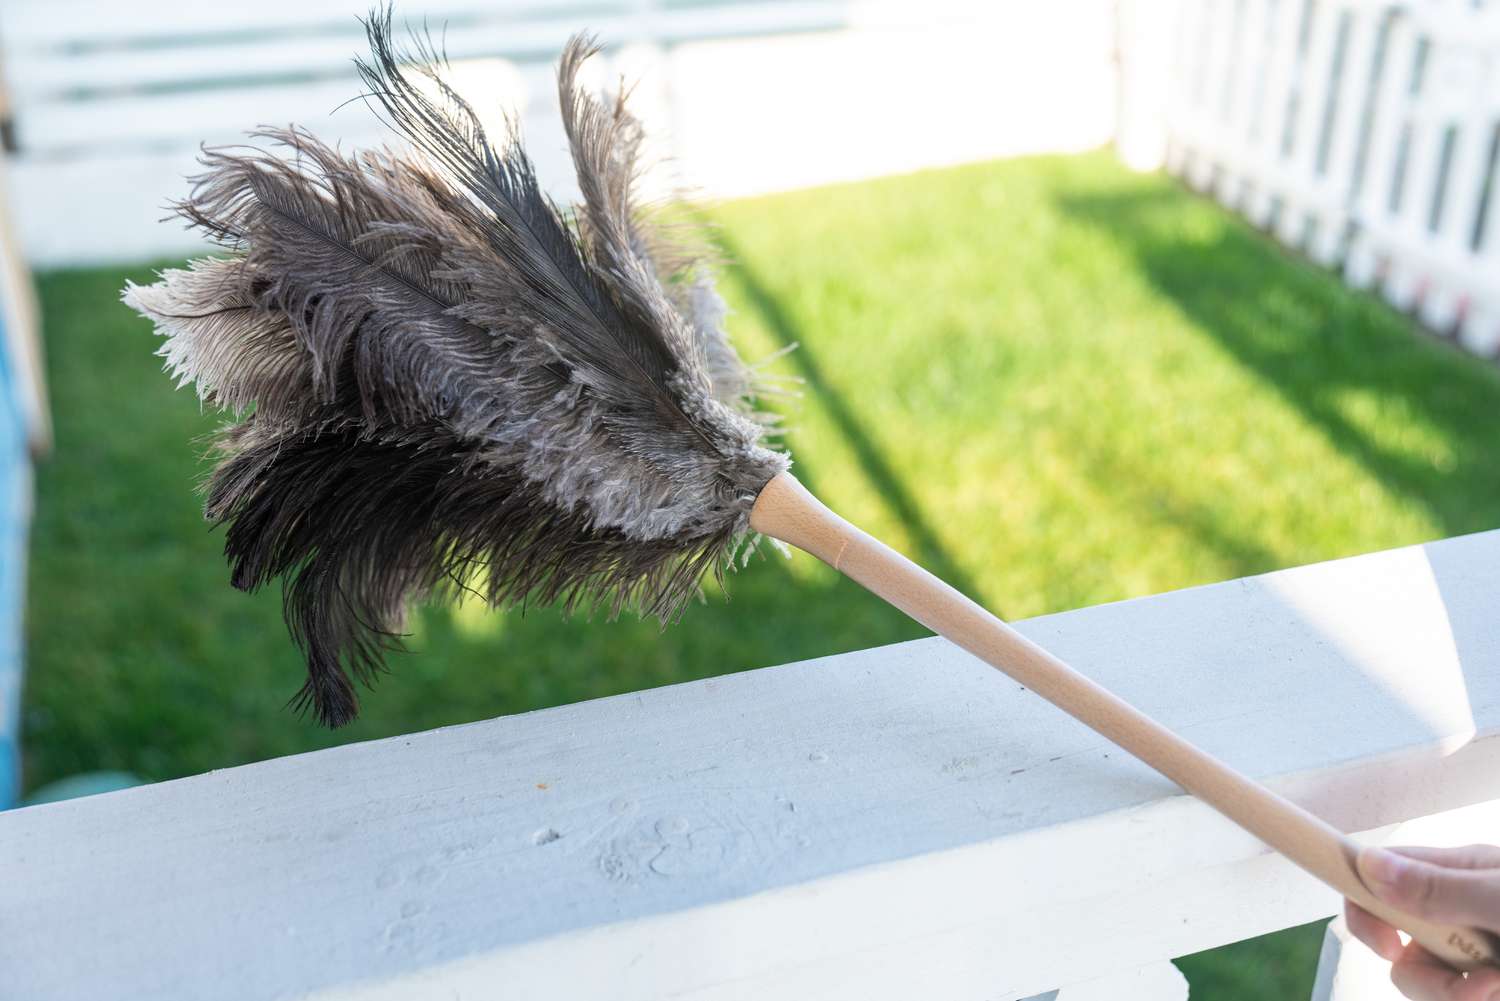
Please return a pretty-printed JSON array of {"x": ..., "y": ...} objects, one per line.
[{"x": 1367, "y": 688}]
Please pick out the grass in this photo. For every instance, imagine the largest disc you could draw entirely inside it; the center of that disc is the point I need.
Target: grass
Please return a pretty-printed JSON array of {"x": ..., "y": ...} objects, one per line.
[{"x": 1054, "y": 382}]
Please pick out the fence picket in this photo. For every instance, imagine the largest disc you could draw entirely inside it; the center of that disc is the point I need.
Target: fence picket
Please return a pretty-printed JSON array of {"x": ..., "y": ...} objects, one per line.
[
  {"x": 1225, "y": 99},
  {"x": 1295, "y": 179},
  {"x": 1280, "y": 80},
  {"x": 1254, "y": 45},
  {"x": 1364, "y": 132},
  {"x": 1336, "y": 161},
  {"x": 1481, "y": 329},
  {"x": 1384, "y": 154},
  {"x": 1181, "y": 106},
  {"x": 1218, "y": 29}
]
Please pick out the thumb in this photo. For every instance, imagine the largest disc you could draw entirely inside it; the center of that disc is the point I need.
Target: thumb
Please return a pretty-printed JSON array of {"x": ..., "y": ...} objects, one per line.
[{"x": 1434, "y": 892}]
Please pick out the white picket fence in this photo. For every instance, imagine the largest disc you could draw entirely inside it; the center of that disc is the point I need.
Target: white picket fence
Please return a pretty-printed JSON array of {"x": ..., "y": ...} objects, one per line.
[{"x": 1364, "y": 133}]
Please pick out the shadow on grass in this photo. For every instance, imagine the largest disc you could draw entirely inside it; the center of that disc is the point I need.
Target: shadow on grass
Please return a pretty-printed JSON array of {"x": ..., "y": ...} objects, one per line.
[
  {"x": 931, "y": 552},
  {"x": 1332, "y": 353},
  {"x": 1150, "y": 495}
]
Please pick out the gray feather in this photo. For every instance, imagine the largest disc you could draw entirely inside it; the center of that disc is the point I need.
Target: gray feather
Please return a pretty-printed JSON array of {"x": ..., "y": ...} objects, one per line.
[{"x": 447, "y": 383}]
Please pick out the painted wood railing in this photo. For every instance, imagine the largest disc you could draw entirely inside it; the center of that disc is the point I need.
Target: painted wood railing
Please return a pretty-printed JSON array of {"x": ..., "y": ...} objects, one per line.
[
  {"x": 891, "y": 824},
  {"x": 110, "y": 101},
  {"x": 1363, "y": 132}
]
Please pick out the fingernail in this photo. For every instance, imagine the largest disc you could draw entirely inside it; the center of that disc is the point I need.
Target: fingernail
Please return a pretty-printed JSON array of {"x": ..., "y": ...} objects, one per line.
[{"x": 1382, "y": 867}]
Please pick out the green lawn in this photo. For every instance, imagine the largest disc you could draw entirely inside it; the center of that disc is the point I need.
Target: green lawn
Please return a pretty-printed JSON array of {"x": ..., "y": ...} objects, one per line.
[{"x": 1054, "y": 382}]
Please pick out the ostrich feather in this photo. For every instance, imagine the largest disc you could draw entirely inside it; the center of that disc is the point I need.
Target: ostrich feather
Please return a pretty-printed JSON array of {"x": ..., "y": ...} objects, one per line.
[{"x": 443, "y": 381}]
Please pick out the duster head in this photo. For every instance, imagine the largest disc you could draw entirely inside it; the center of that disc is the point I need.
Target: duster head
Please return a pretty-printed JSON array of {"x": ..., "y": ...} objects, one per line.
[{"x": 442, "y": 381}]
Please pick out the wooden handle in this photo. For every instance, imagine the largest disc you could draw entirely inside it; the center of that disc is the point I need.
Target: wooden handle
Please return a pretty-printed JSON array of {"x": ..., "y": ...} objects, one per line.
[{"x": 785, "y": 510}]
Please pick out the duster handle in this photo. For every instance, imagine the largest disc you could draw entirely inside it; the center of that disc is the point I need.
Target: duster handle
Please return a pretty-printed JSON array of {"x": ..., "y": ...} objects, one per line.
[{"x": 785, "y": 510}]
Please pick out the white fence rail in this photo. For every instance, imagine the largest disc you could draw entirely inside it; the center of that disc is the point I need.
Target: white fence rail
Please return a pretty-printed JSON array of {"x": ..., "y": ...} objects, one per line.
[
  {"x": 893, "y": 824},
  {"x": 111, "y": 100},
  {"x": 1365, "y": 133}
]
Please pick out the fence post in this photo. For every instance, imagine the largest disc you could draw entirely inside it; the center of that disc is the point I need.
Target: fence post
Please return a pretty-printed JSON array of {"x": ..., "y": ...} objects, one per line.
[{"x": 1143, "y": 31}]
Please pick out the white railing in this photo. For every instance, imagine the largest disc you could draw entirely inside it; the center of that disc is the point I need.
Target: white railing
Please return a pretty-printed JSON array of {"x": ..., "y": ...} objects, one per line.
[
  {"x": 892, "y": 824},
  {"x": 1363, "y": 132},
  {"x": 111, "y": 100}
]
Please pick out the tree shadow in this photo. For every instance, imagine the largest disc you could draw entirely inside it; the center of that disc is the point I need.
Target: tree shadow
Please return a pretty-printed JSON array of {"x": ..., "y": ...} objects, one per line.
[
  {"x": 1332, "y": 353},
  {"x": 888, "y": 484},
  {"x": 1151, "y": 496}
]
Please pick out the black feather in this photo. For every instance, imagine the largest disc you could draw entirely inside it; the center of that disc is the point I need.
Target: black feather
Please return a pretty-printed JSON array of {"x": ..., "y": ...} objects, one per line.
[{"x": 445, "y": 385}]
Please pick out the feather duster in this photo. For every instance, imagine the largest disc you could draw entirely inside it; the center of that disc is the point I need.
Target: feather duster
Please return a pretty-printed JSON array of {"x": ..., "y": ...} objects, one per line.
[{"x": 443, "y": 381}]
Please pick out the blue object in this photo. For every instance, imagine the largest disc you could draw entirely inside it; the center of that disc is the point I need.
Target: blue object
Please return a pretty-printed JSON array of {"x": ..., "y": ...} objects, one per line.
[
  {"x": 15, "y": 516},
  {"x": 87, "y": 784}
]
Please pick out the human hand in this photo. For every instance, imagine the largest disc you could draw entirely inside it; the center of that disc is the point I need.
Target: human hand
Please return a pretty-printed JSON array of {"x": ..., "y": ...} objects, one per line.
[{"x": 1450, "y": 885}]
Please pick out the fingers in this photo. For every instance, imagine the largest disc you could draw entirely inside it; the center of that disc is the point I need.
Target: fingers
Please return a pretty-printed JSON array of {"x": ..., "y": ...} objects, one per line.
[
  {"x": 1423, "y": 977},
  {"x": 1450, "y": 885},
  {"x": 1467, "y": 857},
  {"x": 1373, "y": 932},
  {"x": 1415, "y": 971},
  {"x": 1438, "y": 893}
]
